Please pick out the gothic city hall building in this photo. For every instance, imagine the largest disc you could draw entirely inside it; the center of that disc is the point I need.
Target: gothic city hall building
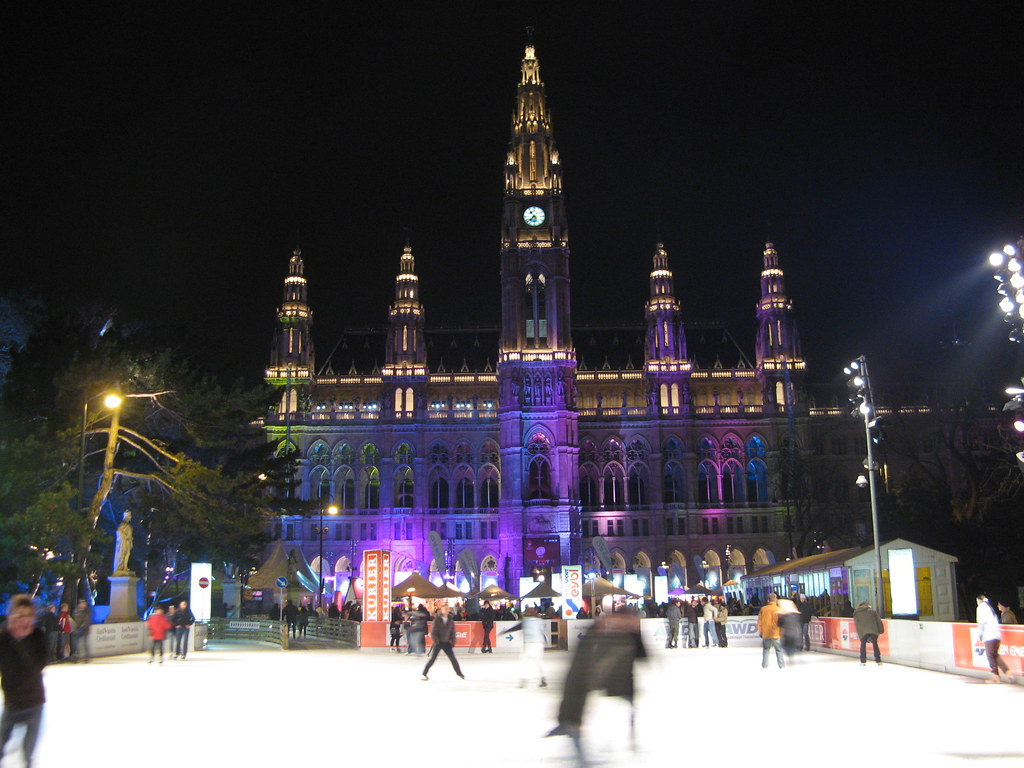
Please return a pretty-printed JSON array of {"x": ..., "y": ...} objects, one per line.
[{"x": 524, "y": 442}]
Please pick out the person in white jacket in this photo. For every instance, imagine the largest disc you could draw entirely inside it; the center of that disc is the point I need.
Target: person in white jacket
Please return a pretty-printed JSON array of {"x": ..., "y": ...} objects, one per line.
[
  {"x": 710, "y": 614},
  {"x": 534, "y": 642},
  {"x": 988, "y": 628}
]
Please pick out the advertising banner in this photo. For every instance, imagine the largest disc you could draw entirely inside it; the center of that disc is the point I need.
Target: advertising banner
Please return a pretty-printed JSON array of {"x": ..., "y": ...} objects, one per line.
[
  {"x": 572, "y": 591},
  {"x": 969, "y": 651},
  {"x": 377, "y": 585}
]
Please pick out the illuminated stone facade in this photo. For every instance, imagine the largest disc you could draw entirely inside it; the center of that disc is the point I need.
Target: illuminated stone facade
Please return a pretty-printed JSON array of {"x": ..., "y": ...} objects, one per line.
[{"x": 665, "y": 440}]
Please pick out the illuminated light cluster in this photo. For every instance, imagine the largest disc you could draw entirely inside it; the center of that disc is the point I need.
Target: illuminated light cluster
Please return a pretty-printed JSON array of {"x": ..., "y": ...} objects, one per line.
[
  {"x": 463, "y": 405},
  {"x": 295, "y": 280},
  {"x": 438, "y": 405},
  {"x": 1008, "y": 273}
]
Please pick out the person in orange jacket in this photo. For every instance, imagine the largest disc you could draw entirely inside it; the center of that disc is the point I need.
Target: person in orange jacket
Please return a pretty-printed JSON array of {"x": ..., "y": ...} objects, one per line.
[
  {"x": 158, "y": 627},
  {"x": 771, "y": 634}
]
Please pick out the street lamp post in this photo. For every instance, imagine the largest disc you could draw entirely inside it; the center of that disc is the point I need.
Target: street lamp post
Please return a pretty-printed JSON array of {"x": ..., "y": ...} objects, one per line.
[
  {"x": 112, "y": 401},
  {"x": 321, "y": 530},
  {"x": 1009, "y": 273},
  {"x": 858, "y": 371}
]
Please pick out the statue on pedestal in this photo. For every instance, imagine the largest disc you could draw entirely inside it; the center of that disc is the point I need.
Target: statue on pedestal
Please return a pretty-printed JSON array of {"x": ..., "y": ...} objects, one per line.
[{"x": 123, "y": 546}]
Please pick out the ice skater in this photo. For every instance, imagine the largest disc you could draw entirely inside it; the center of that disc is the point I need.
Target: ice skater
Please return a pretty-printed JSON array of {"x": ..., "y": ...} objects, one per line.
[
  {"x": 534, "y": 643},
  {"x": 442, "y": 635}
]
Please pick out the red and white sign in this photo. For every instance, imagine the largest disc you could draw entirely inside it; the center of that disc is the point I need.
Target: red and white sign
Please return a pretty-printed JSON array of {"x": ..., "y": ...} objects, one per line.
[
  {"x": 376, "y": 585},
  {"x": 969, "y": 651},
  {"x": 203, "y": 583}
]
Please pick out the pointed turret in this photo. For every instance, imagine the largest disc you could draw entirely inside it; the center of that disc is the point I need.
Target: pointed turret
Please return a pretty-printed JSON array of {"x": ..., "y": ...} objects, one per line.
[
  {"x": 667, "y": 365},
  {"x": 406, "y": 350},
  {"x": 779, "y": 355},
  {"x": 665, "y": 340},
  {"x": 291, "y": 353}
]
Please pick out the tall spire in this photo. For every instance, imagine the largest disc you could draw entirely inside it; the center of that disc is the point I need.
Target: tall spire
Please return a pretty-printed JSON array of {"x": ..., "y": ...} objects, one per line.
[
  {"x": 405, "y": 346},
  {"x": 665, "y": 339},
  {"x": 778, "y": 342},
  {"x": 291, "y": 353},
  {"x": 532, "y": 163}
]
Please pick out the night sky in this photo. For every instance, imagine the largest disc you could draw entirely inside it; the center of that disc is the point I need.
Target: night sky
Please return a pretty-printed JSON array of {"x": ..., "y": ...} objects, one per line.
[{"x": 168, "y": 160}]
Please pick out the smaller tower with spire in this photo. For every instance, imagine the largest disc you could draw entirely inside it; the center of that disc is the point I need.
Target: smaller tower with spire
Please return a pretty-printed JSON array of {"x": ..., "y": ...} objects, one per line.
[
  {"x": 291, "y": 353},
  {"x": 667, "y": 365},
  {"x": 405, "y": 365},
  {"x": 779, "y": 356}
]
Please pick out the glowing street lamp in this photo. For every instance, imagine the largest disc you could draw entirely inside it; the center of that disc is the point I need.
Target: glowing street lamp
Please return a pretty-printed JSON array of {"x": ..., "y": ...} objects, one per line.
[
  {"x": 859, "y": 381},
  {"x": 321, "y": 530},
  {"x": 112, "y": 401}
]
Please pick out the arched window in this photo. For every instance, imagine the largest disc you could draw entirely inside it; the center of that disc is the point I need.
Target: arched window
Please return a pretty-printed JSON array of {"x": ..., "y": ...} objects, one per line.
[
  {"x": 463, "y": 454},
  {"x": 345, "y": 488},
  {"x": 489, "y": 453},
  {"x": 672, "y": 488},
  {"x": 370, "y": 455},
  {"x": 672, "y": 450},
  {"x": 588, "y": 452},
  {"x": 637, "y": 485},
  {"x": 404, "y": 487},
  {"x": 344, "y": 455},
  {"x": 757, "y": 480},
  {"x": 732, "y": 482},
  {"x": 707, "y": 483},
  {"x": 637, "y": 451},
  {"x": 613, "y": 452},
  {"x": 588, "y": 491},
  {"x": 536, "y": 311},
  {"x": 439, "y": 493},
  {"x": 755, "y": 448},
  {"x": 319, "y": 454},
  {"x": 403, "y": 455},
  {"x": 539, "y": 478},
  {"x": 371, "y": 488},
  {"x": 489, "y": 488},
  {"x": 465, "y": 497},
  {"x": 614, "y": 495},
  {"x": 706, "y": 449},
  {"x": 320, "y": 483},
  {"x": 439, "y": 454}
]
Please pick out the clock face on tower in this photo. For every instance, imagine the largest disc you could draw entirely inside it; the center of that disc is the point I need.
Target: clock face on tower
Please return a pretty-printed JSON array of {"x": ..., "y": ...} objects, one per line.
[{"x": 533, "y": 216}]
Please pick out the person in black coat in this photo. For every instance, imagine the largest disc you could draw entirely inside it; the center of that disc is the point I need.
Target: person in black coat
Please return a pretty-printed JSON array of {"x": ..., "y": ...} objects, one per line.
[
  {"x": 442, "y": 635},
  {"x": 487, "y": 619},
  {"x": 604, "y": 661},
  {"x": 22, "y": 658}
]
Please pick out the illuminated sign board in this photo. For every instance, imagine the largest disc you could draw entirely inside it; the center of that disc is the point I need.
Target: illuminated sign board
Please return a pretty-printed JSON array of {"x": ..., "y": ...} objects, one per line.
[
  {"x": 572, "y": 590},
  {"x": 201, "y": 592},
  {"x": 903, "y": 582},
  {"x": 376, "y": 585}
]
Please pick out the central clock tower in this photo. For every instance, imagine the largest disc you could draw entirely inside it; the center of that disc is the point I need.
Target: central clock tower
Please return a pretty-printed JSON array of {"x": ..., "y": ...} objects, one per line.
[{"x": 537, "y": 363}]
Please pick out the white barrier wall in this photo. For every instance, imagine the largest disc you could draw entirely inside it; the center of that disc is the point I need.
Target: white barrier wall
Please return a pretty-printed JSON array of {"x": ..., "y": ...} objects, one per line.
[
  {"x": 940, "y": 646},
  {"x": 115, "y": 639}
]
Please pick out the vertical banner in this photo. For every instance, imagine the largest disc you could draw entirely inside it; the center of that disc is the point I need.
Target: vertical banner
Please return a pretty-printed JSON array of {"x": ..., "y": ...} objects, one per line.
[
  {"x": 376, "y": 585},
  {"x": 200, "y": 593},
  {"x": 572, "y": 591},
  {"x": 902, "y": 582}
]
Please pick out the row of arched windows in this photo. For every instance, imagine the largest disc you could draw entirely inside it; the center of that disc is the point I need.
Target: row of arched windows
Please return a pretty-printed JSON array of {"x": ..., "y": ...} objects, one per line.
[
  {"x": 465, "y": 488},
  {"x": 369, "y": 455}
]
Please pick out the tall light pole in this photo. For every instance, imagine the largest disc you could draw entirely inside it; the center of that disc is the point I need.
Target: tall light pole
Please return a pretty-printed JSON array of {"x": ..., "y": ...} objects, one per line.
[
  {"x": 858, "y": 372},
  {"x": 1009, "y": 273},
  {"x": 321, "y": 530},
  {"x": 112, "y": 401}
]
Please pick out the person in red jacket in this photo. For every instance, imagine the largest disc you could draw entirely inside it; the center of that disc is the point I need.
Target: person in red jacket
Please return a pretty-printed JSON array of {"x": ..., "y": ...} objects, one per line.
[
  {"x": 65, "y": 626},
  {"x": 158, "y": 627}
]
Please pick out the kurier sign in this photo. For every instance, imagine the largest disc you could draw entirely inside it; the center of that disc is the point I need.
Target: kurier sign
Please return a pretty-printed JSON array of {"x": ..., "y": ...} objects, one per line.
[{"x": 376, "y": 585}]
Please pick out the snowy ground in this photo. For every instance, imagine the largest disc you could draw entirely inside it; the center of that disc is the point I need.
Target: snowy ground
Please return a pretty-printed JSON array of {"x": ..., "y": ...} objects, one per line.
[{"x": 238, "y": 704}]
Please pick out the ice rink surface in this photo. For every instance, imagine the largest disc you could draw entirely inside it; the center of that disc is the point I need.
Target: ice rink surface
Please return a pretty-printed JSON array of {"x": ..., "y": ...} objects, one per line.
[{"x": 237, "y": 704}]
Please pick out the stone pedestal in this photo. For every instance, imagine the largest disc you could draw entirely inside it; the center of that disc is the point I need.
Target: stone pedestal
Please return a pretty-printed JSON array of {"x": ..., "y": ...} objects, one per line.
[{"x": 124, "y": 598}]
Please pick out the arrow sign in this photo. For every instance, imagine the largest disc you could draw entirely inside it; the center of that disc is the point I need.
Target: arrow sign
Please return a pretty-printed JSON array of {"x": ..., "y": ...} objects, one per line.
[{"x": 281, "y": 582}]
